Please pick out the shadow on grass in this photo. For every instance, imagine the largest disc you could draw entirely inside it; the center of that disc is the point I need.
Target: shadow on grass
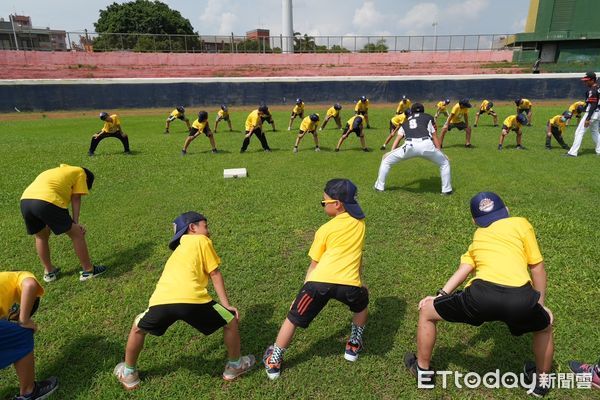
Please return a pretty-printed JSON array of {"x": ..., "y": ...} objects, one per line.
[
  {"x": 124, "y": 260},
  {"x": 426, "y": 185},
  {"x": 507, "y": 352}
]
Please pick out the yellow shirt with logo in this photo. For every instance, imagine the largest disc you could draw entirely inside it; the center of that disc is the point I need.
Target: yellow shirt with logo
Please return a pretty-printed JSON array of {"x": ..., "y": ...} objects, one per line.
[
  {"x": 308, "y": 125},
  {"x": 200, "y": 126},
  {"x": 337, "y": 248},
  {"x": 10, "y": 290},
  {"x": 403, "y": 105},
  {"x": 253, "y": 120},
  {"x": 398, "y": 120},
  {"x": 56, "y": 185},
  {"x": 223, "y": 114},
  {"x": 186, "y": 273},
  {"x": 557, "y": 122},
  {"x": 524, "y": 105},
  {"x": 441, "y": 106},
  {"x": 298, "y": 108},
  {"x": 511, "y": 123},
  {"x": 113, "y": 126},
  {"x": 573, "y": 107},
  {"x": 176, "y": 114},
  {"x": 501, "y": 252},
  {"x": 362, "y": 106},
  {"x": 332, "y": 112},
  {"x": 458, "y": 114}
]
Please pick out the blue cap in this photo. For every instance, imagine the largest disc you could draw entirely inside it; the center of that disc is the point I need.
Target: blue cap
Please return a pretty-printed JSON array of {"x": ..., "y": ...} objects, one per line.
[
  {"x": 345, "y": 191},
  {"x": 103, "y": 115},
  {"x": 363, "y": 98},
  {"x": 181, "y": 224},
  {"x": 314, "y": 117},
  {"x": 298, "y": 100},
  {"x": 522, "y": 118},
  {"x": 486, "y": 208}
]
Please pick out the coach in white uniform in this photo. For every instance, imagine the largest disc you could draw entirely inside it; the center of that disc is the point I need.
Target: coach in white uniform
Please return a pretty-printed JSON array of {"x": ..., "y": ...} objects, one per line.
[
  {"x": 421, "y": 141},
  {"x": 591, "y": 117}
]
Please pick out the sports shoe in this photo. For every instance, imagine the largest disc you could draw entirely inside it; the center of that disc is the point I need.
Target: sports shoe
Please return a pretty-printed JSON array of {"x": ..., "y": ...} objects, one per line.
[
  {"x": 352, "y": 350},
  {"x": 447, "y": 193},
  {"x": 41, "y": 390},
  {"x": 289, "y": 128},
  {"x": 129, "y": 382},
  {"x": 427, "y": 377},
  {"x": 97, "y": 270},
  {"x": 568, "y": 155},
  {"x": 166, "y": 131},
  {"x": 366, "y": 150},
  {"x": 378, "y": 190},
  {"x": 317, "y": 149},
  {"x": 214, "y": 151},
  {"x": 548, "y": 147},
  {"x": 183, "y": 152},
  {"x": 320, "y": 129},
  {"x": 295, "y": 149},
  {"x": 52, "y": 276},
  {"x": 519, "y": 147},
  {"x": 581, "y": 368},
  {"x": 337, "y": 150},
  {"x": 246, "y": 363},
  {"x": 540, "y": 389},
  {"x": 127, "y": 152},
  {"x": 267, "y": 150},
  {"x": 499, "y": 147},
  {"x": 468, "y": 146},
  {"x": 565, "y": 147},
  {"x": 475, "y": 126},
  {"x": 382, "y": 147},
  {"x": 90, "y": 153},
  {"x": 273, "y": 370},
  {"x": 496, "y": 125}
]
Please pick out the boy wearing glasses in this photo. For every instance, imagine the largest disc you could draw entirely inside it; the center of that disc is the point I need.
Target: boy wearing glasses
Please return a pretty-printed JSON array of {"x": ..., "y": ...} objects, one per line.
[{"x": 334, "y": 273}]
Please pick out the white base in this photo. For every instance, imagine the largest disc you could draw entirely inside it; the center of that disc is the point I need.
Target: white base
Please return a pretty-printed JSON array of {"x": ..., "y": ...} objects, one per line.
[{"x": 235, "y": 173}]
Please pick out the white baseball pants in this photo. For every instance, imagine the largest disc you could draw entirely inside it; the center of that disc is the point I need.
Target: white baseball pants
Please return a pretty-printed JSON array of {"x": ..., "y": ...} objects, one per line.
[{"x": 581, "y": 129}]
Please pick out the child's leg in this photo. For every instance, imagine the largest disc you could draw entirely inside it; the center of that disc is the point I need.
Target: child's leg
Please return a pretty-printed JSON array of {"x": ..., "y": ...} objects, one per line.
[
  {"x": 543, "y": 347},
  {"x": 135, "y": 344},
  {"x": 43, "y": 248},
  {"x": 187, "y": 142},
  {"x": 316, "y": 138},
  {"x": 25, "y": 369},
  {"x": 80, "y": 246},
  {"x": 229, "y": 123},
  {"x": 324, "y": 123},
  {"x": 211, "y": 138},
  {"x": 231, "y": 337},
  {"x": 285, "y": 335},
  {"x": 360, "y": 318},
  {"x": 187, "y": 123}
]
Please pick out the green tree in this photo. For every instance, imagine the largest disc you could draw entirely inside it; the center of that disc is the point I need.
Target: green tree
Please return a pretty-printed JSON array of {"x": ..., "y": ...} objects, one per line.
[
  {"x": 379, "y": 47},
  {"x": 303, "y": 44},
  {"x": 144, "y": 16},
  {"x": 336, "y": 48}
]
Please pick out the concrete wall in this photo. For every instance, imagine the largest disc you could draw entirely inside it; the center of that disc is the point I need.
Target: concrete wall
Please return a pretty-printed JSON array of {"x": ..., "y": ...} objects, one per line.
[{"x": 46, "y": 95}]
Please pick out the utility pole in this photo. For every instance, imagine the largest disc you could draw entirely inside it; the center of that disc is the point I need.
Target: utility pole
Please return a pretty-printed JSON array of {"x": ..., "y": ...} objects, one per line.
[{"x": 12, "y": 23}]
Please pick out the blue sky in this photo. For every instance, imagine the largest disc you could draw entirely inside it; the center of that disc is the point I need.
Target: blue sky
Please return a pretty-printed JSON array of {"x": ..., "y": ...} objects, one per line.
[{"x": 315, "y": 17}]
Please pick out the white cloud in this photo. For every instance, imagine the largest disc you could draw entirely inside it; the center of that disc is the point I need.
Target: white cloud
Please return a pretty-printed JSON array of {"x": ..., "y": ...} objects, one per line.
[
  {"x": 469, "y": 9},
  {"x": 367, "y": 18},
  {"x": 219, "y": 18},
  {"x": 418, "y": 19},
  {"x": 228, "y": 23}
]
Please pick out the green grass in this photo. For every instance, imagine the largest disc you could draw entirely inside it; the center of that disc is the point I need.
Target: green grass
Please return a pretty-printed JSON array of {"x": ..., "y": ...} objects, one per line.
[{"x": 262, "y": 228}]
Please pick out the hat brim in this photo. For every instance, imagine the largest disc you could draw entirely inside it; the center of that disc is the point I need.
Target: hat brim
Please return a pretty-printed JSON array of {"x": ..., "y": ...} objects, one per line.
[
  {"x": 486, "y": 220},
  {"x": 175, "y": 240},
  {"x": 354, "y": 210}
]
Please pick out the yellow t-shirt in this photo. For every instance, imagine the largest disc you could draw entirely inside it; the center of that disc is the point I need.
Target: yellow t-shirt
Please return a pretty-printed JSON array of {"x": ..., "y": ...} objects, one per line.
[
  {"x": 403, "y": 105},
  {"x": 557, "y": 122},
  {"x": 56, "y": 185},
  {"x": 512, "y": 123},
  {"x": 10, "y": 290},
  {"x": 398, "y": 120},
  {"x": 298, "y": 108},
  {"x": 483, "y": 107},
  {"x": 308, "y": 125},
  {"x": 200, "y": 126},
  {"x": 524, "y": 105},
  {"x": 332, "y": 112},
  {"x": 223, "y": 114},
  {"x": 441, "y": 106},
  {"x": 459, "y": 114},
  {"x": 253, "y": 120},
  {"x": 337, "y": 248},
  {"x": 176, "y": 114},
  {"x": 362, "y": 106},
  {"x": 186, "y": 273},
  {"x": 573, "y": 107},
  {"x": 351, "y": 121},
  {"x": 115, "y": 125},
  {"x": 502, "y": 252}
]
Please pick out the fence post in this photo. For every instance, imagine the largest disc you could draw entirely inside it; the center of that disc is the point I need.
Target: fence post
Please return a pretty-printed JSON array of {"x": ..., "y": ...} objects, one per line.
[{"x": 409, "y": 46}]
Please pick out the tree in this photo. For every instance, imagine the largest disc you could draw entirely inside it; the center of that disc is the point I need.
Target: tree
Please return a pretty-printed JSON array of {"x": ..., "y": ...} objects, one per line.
[
  {"x": 144, "y": 17},
  {"x": 336, "y": 48},
  {"x": 379, "y": 47}
]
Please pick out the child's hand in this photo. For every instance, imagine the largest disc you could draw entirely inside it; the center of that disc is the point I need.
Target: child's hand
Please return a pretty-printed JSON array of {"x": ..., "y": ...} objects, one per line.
[
  {"x": 234, "y": 311},
  {"x": 425, "y": 300},
  {"x": 29, "y": 324}
]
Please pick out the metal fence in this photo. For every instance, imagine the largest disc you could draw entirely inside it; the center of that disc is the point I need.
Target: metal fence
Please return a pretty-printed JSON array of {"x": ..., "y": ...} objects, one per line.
[{"x": 102, "y": 42}]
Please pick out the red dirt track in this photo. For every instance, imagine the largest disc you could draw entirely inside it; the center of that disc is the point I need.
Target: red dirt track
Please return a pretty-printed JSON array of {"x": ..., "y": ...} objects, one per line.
[{"x": 72, "y": 65}]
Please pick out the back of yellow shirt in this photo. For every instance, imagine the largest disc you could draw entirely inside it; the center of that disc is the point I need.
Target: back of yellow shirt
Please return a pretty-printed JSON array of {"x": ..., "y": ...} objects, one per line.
[
  {"x": 362, "y": 105},
  {"x": 502, "y": 252},
  {"x": 56, "y": 185},
  {"x": 10, "y": 290},
  {"x": 403, "y": 105},
  {"x": 573, "y": 107},
  {"x": 511, "y": 122},
  {"x": 338, "y": 247},
  {"x": 253, "y": 120},
  {"x": 557, "y": 122},
  {"x": 308, "y": 125},
  {"x": 398, "y": 120},
  {"x": 185, "y": 277},
  {"x": 298, "y": 108},
  {"x": 441, "y": 106},
  {"x": 223, "y": 114},
  {"x": 458, "y": 114},
  {"x": 332, "y": 112},
  {"x": 112, "y": 127},
  {"x": 200, "y": 125},
  {"x": 175, "y": 113},
  {"x": 525, "y": 104}
]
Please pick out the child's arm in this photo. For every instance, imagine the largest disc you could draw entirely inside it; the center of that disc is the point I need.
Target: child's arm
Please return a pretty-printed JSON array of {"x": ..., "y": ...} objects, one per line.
[
  {"x": 455, "y": 281},
  {"x": 219, "y": 285},
  {"x": 539, "y": 278},
  {"x": 29, "y": 291},
  {"x": 311, "y": 267}
]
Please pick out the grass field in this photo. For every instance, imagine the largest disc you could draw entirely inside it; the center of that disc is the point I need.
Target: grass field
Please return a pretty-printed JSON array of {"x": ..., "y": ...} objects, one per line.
[{"x": 262, "y": 228}]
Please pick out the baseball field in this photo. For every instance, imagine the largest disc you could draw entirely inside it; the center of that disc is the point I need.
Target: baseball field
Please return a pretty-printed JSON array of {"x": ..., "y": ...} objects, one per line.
[{"x": 262, "y": 227}]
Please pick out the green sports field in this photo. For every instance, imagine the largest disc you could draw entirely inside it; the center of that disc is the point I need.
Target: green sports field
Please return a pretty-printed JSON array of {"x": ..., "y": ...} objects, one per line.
[{"x": 262, "y": 228}]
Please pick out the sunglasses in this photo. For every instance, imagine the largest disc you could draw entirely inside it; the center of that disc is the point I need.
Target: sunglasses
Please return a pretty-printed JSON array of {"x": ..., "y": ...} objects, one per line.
[{"x": 323, "y": 202}]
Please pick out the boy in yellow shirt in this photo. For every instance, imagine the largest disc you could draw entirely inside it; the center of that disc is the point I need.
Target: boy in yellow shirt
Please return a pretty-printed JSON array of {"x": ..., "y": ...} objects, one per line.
[
  {"x": 223, "y": 115},
  {"x": 459, "y": 119},
  {"x": 254, "y": 123},
  {"x": 111, "y": 128},
  {"x": 333, "y": 112},
  {"x": 508, "y": 285},
  {"x": 555, "y": 127},
  {"x": 441, "y": 109},
  {"x": 513, "y": 123},
  {"x": 297, "y": 111},
  {"x": 200, "y": 126},
  {"x": 181, "y": 294},
  {"x": 524, "y": 106},
  {"x": 309, "y": 124},
  {"x": 20, "y": 296},
  {"x": 362, "y": 108},
  {"x": 486, "y": 107},
  {"x": 334, "y": 273},
  {"x": 177, "y": 113}
]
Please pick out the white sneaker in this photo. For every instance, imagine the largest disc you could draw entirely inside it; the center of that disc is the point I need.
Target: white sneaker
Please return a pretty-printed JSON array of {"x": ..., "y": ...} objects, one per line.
[
  {"x": 317, "y": 149},
  {"x": 129, "y": 382},
  {"x": 289, "y": 128},
  {"x": 320, "y": 129},
  {"x": 295, "y": 150},
  {"x": 52, "y": 276},
  {"x": 247, "y": 362}
]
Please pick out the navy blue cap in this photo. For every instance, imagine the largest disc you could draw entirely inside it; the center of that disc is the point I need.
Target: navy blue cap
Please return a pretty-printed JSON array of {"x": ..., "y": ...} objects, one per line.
[
  {"x": 486, "y": 208},
  {"x": 345, "y": 191},
  {"x": 181, "y": 224}
]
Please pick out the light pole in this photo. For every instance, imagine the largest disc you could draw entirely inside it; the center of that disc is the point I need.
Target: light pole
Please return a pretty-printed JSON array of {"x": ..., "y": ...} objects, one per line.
[
  {"x": 12, "y": 23},
  {"x": 434, "y": 24}
]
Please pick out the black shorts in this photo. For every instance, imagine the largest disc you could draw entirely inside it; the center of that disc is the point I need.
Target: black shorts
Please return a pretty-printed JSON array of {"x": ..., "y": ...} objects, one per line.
[
  {"x": 301, "y": 115},
  {"x": 524, "y": 110},
  {"x": 483, "y": 301},
  {"x": 219, "y": 118},
  {"x": 194, "y": 131},
  {"x": 459, "y": 125},
  {"x": 507, "y": 129},
  {"x": 357, "y": 131},
  {"x": 555, "y": 130},
  {"x": 207, "y": 317},
  {"x": 360, "y": 112},
  {"x": 488, "y": 112},
  {"x": 392, "y": 126},
  {"x": 314, "y": 296},
  {"x": 39, "y": 213}
]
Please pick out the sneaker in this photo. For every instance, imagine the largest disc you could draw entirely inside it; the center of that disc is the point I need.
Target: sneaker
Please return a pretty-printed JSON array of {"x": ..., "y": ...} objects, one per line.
[
  {"x": 565, "y": 147},
  {"x": 41, "y": 390},
  {"x": 529, "y": 371},
  {"x": 519, "y": 147},
  {"x": 568, "y": 155},
  {"x": 427, "y": 377},
  {"x": 320, "y": 129},
  {"x": 242, "y": 151},
  {"x": 352, "y": 350},
  {"x": 447, "y": 193},
  {"x": 337, "y": 150},
  {"x": 475, "y": 126},
  {"x": 468, "y": 146},
  {"x": 289, "y": 128},
  {"x": 548, "y": 147},
  {"x": 496, "y": 125},
  {"x": 214, "y": 151},
  {"x": 247, "y": 362},
  {"x": 52, "y": 276},
  {"x": 581, "y": 368},
  {"x": 128, "y": 152},
  {"x": 267, "y": 150},
  {"x": 273, "y": 370},
  {"x": 366, "y": 150},
  {"x": 90, "y": 153},
  {"x": 166, "y": 131},
  {"x": 97, "y": 270},
  {"x": 382, "y": 147},
  {"x": 499, "y": 147},
  {"x": 129, "y": 382},
  {"x": 368, "y": 126},
  {"x": 183, "y": 152},
  {"x": 377, "y": 189},
  {"x": 317, "y": 149},
  {"x": 295, "y": 150}
]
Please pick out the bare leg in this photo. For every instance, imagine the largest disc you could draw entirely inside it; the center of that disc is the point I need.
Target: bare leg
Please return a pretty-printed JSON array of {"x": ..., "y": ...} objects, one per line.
[
  {"x": 325, "y": 123},
  {"x": 135, "y": 344},
  {"x": 211, "y": 138},
  {"x": 43, "y": 248},
  {"x": 298, "y": 139},
  {"x": 543, "y": 347},
  {"x": 360, "y": 318},
  {"x": 285, "y": 335},
  {"x": 229, "y": 123},
  {"x": 519, "y": 138},
  {"x": 476, "y": 119},
  {"x": 316, "y": 138},
  {"x": 25, "y": 369},
  {"x": 341, "y": 141},
  {"x": 426, "y": 333},
  {"x": 442, "y": 134},
  {"x": 217, "y": 124},
  {"x": 187, "y": 142},
  {"x": 231, "y": 337},
  {"x": 167, "y": 126},
  {"x": 502, "y": 136},
  {"x": 468, "y": 135},
  {"x": 363, "y": 142},
  {"x": 80, "y": 247}
]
